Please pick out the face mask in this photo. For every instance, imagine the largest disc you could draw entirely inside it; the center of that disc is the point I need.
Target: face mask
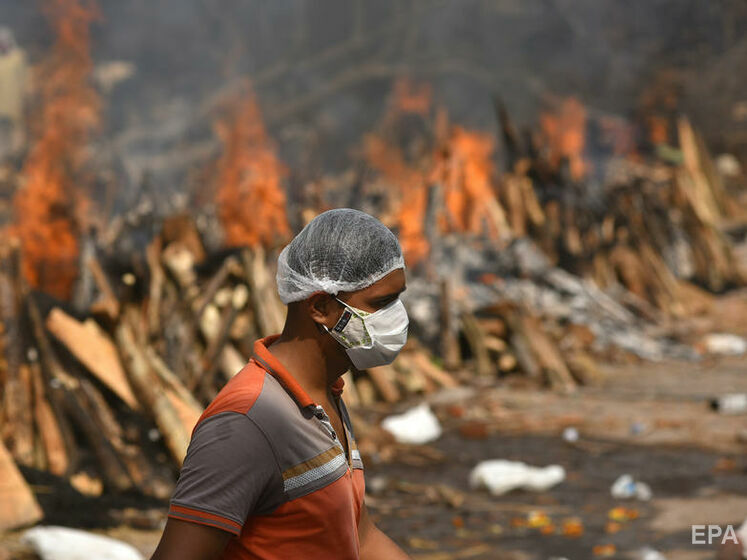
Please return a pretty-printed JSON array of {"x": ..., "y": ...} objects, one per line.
[{"x": 371, "y": 339}]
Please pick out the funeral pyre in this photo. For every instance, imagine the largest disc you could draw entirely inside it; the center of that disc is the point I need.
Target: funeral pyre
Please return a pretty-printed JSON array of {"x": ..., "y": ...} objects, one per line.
[{"x": 528, "y": 254}]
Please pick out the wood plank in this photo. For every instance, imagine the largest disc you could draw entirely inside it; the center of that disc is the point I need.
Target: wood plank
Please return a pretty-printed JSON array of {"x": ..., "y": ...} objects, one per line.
[
  {"x": 18, "y": 506},
  {"x": 95, "y": 350}
]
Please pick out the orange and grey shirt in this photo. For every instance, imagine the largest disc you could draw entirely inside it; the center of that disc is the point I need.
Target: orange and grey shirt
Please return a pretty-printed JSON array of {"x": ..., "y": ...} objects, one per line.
[{"x": 266, "y": 465}]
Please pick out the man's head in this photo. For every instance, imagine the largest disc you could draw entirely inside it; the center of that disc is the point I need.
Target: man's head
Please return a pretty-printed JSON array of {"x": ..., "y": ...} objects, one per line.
[{"x": 342, "y": 255}]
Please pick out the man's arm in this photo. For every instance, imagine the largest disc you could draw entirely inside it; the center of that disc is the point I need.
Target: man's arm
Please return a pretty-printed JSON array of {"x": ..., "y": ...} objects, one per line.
[
  {"x": 182, "y": 540},
  {"x": 375, "y": 545}
]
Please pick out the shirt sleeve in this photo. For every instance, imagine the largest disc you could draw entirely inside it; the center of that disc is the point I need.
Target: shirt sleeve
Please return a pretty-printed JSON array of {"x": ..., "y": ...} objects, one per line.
[{"x": 229, "y": 468}]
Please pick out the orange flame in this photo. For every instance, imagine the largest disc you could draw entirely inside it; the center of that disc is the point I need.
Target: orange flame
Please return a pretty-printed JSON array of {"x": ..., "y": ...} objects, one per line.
[
  {"x": 466, "y": 170},
  {"x": 564, "y": 130},
  {"x": 462, "y": 166},
  {"x": 48, "y": 207},
  {"x": 413, "y": 195},
  {"x": 251, "y": 199}
]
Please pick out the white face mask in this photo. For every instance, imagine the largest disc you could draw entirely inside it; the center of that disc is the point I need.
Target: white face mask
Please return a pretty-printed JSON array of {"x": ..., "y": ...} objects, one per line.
[{"x": 371, "y": 339}]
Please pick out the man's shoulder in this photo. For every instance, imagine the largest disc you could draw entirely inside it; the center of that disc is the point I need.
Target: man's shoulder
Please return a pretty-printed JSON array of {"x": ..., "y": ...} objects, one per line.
[{"x": 255, "y": 393}]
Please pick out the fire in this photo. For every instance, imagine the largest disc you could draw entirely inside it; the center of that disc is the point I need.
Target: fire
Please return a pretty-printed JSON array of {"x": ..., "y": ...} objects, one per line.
[
  {"x": 250, "y": 198},
  {"x": 465, "y": 170},
  {"x": 460, "y": 165},
  {"x": 564, "y": 131},
  {"x": 48, "y": 207},
  {"x": 413, "y": 195}
]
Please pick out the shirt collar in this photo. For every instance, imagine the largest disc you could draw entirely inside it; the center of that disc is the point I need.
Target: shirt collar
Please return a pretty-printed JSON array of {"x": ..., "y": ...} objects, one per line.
[{"x": 274, "y": 367}]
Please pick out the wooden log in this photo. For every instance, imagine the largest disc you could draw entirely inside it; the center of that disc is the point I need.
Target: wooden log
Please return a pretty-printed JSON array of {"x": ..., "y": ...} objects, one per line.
[
  {"x": 175, "y": 433},
  {"x": 215, "y": 346},
  {"x": 583, "y": 368},
  {"x": 95, "y": 350},
  {"x": 18, "y": 506},
  {"x": 128, "y": 456},
  {"x": 180, "y": 262},
  {"x": 48, "y": 426},
  {"x": 268, "y": 309},
  {"x": 17, "y": 425},
  {"x": 507, "y": 362},
  {"x": 171, "y": 381},
  {"x": 494, "y": 326},
  {"x": 19, "y": 430},
  {"x": 383, "y": 378},
  {"x": 230, "y": 266},
  {"x": 449, "y": 343},
  {"x": 181, "y": 229},
  {"x": 484, "y": 366},
  {"x": 155, "y": 288},
  {"x": 517, "y": 215},
  {"x": 230, "y": 360},
  {"x": 495, "y": 344},
  {"x": 57, "y": 381},
  {"x": 188, "y": 414},
  {"x": 78, "y": 407},
  {"x": 547, "y": 354},
  {"x": 421, "y": 361},
  {"x": 531, "y": 204},
  {"x": 350, "y": 395},
  {"x": 109, "y": 304},
  {"x": 697, "y": 188},
  {"x": 366, "y": 391}
]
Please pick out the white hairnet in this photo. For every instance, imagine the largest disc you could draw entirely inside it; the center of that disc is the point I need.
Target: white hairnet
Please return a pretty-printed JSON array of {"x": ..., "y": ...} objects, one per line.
[{"x": 340, "y": 250}]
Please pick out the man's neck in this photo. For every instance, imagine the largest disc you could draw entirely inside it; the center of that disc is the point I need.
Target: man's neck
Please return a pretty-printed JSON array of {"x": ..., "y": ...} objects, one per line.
[{"x": 305, "y": 360}]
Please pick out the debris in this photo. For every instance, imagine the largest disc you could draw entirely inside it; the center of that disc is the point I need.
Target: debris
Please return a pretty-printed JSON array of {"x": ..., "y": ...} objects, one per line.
[
  {"x": 500, "y": 476},
  {"x": 648, "y": 553},
  {"x": 63, "y": 543},
  {"x": 724, "y": 344},
  {"x": 416, "y": 426},
  {"x": 626, "y": 487},
  {"x": 570, "y": 434},
  {"x": 732, "y": 403}
]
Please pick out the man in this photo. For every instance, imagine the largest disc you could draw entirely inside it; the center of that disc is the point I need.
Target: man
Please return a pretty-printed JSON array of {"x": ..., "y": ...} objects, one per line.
[{"x": 272, "y": 471}]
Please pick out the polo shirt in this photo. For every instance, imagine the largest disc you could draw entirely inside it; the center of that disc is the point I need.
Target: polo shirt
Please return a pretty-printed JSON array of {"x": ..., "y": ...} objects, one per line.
[{"x": 264, "y": 463}]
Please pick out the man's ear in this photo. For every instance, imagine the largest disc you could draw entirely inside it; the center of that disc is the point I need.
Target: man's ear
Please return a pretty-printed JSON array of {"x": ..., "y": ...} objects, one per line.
[{"x": 323, "y": 308}]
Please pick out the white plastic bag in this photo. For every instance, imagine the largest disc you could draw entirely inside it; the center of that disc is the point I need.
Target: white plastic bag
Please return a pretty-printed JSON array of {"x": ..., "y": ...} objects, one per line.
[
  {"x": 418, "y": 425},
  {"x": 500, "y": 476},
  {"x": 63, "y": 543}
]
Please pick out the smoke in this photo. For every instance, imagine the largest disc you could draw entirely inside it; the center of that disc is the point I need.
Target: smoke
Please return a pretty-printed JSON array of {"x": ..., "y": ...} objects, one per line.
[{"x": 322, "y": 69}]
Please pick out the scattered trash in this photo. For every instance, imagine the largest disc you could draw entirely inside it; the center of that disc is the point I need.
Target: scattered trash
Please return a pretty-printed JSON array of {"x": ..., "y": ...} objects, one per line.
[
  {"x": 733, "y": 403},
  {"x": 742, "y": 536},
  {"x": 418, "y": 425},
  {"x": 622, "y": 514},
  {"x": 63, "y": 543},
  {"x": 648, "y": 553},
  {"x": 500, "y": 476},
  {"x": 637, "y": 428},
  {"x": 570, "y": 434},
  {"x": 573, "y": 527},
  {"x": 604, "y": 550},
  {"x": 625, "y": 487},
  {"x": 724, "y": 344},
  {"x": 728, "y": 165}
]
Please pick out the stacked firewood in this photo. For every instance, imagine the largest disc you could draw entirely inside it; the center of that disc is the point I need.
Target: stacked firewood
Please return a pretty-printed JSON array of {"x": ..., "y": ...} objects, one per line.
[
  {"x": 653, "y": 225},
  {"x": 108, "y": 397}
]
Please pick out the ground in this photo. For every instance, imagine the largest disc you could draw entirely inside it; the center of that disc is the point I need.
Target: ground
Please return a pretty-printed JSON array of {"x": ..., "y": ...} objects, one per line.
[{"x": 651, "y": 420}]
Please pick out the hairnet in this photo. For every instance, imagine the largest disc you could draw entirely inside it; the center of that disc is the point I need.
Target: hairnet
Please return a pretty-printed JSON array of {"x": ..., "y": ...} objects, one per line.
[{"x": 340, "y": 250}]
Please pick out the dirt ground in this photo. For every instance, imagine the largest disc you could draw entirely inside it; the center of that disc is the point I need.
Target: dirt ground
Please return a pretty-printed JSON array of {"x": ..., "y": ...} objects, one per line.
[{"x": 651, "y": 420}]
